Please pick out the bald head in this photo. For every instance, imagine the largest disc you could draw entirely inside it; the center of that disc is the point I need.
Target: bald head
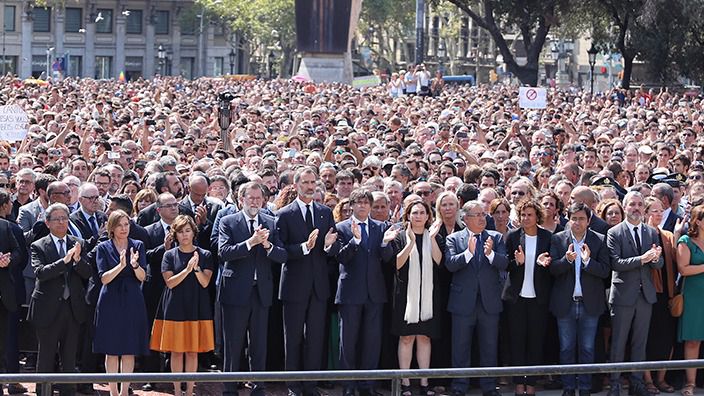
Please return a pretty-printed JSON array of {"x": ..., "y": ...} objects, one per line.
[
  {"x": 198, "y": 186},
  {"x": 585, "y": 195}
]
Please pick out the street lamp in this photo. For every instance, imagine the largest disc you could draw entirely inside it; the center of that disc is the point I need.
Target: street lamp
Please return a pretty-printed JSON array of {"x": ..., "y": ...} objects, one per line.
[
  {"x": 271, "y": 63},
  {"x": 161, "y": 53},
  {"x": 591, "y": 52},
  {"x": 225, "y": 118},
  {"x": 232, "y": 60}
]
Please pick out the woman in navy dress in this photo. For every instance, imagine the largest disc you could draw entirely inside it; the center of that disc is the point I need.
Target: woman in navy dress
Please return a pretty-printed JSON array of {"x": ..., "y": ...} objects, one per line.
[
  {"x": 184, "y": 320},
  {"x": 121, "y": 330}
]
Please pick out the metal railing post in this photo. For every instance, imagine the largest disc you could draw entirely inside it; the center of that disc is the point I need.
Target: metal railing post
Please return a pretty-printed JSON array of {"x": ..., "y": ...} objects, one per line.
[
  {"x": 396, "y": 387},
  {"x": 46, "y": 389}
]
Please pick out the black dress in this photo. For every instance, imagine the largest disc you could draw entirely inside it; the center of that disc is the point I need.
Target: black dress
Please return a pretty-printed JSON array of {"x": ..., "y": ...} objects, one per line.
[
  {"x": 184, "y": 320},
  {"x": 431, "y": 327}
]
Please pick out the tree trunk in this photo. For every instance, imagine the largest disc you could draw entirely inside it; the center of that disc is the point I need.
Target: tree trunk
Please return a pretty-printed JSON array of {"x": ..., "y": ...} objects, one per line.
[{"x": 627, "y": 70}]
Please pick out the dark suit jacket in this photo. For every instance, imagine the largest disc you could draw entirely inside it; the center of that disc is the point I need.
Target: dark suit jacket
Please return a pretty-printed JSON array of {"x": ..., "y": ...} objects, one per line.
[
  {"x": 215, "y": 232},
  {"x": 18, "y": 267},
  {"x": 240, "y": 264},
  {"x": 9, "y": 244},
  {"x": 149, "y": 215},
  {"x": 671, "y": 221},
  {"x": 598, "y": 225},
  {"x": 542, "y": 280},
  {"x": 303, "y": 275},
  {"x": 591, "y": 276},
  {"x": 361, "y": 276},
  {"x": 155, "y": 254},
  {"x": 49, "y": 269},
  {"x": 204, "y": 230},
  {"x": 79, "y": 220},
  {"x": 629, "y": 274},
  {"x": 478, "y": 276}
]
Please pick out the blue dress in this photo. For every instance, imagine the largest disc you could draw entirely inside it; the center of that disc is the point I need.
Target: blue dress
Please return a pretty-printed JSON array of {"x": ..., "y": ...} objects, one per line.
[{"x": 121, "y": 314}]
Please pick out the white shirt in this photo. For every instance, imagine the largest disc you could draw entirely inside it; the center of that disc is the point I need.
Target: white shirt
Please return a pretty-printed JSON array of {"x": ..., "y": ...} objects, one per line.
[
  {"x": 578, "y": 265},
  {"x": 304, "y": 209},
  {"x": 468, "y": 255},
  {"x": 165, "y": 226},
  {"x": 56, "y": 243},
  {"x": 528, "y": 288},
  {"x": 633, "y": 235}
]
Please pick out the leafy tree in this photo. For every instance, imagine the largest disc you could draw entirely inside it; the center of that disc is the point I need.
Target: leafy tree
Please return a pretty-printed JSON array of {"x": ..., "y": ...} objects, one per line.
[
  {"x": 532, "y": 19},
  {"x": 385, "y": 22}
]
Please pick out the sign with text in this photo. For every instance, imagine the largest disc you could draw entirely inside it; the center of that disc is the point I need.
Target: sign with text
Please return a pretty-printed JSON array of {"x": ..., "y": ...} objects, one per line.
[
  {"x": 366, "y": 81},
  {"x": 532, "y": 98},
  {"x": 13, "y": 123}
]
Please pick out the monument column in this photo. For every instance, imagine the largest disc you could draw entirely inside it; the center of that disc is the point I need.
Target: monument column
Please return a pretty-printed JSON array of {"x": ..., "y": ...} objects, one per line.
[
  {"x": 175, "y": 44},
  {"x": 149, "y": 44},
  {"x": 27, "y": 27},
  {"x": 120, "y": 38},
  {"x": 89, "y": 50}
]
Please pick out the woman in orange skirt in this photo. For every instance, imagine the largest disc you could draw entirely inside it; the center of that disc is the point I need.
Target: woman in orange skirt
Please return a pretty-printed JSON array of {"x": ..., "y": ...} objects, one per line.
[{"x": 184, "y": 321}]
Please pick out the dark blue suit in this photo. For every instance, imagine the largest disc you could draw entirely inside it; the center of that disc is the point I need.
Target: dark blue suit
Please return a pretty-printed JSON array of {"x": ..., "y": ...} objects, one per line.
[
  {"x": 304, "y": 287},
  {"x": 475, "y": 301},
  {"x": 245, "y": 301},
  {"x": 361, "y": 293}
]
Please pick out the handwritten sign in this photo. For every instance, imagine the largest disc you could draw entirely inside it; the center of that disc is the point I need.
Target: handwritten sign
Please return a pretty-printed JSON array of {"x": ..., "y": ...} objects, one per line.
[
  {"x": 13, "y": 123},
  {"x": 532, "y": 98}
]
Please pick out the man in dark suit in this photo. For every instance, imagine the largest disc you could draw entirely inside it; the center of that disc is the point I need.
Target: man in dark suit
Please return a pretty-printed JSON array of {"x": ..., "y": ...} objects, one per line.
[
  {"x": 305, "y": 287},
  {"x": 57, "y": 307},
  {"x": 666, "y": 194},
  {"x": 88, "y": 218},
  {"x": 159, "y": 242},
  {"x": 204, "y": 209},
  {"x": 167, "y": 182},
  {"x": 361, "y": 291},
  {"x": 475, "y": 256},
  {"x": 580, "y": 265},
  {"x": 58, "y": 192},
  {"x": 249, "y": 247},
  {"x": 634, "y": 250}
]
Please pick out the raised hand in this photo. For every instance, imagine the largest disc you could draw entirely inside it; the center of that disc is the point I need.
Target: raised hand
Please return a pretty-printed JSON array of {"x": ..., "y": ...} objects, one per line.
[
  {"x": 77, "y": 252},
  {"x": 201, "y": 215},
  {"x": 310, "y": 243},
  {"x": 391, "y": 234},
  {"x": 571, "y": 255},
  {"x": 544, "y": 259},
  {"x": 472, "y": 244},
  {"x": 586, "y": 252},
  {"x": 264, "y": 232},
  {"x": 123, "y": 258},
  {"x": 410, "y": 235},
  {"x": 168, "y": 241},
  {"x": 435, "y": 228},
  {"x": 330, "y": 237},
  {"x": 488, "y": 246},
  {"x": 396, "y": 214},
  {"x": 356, "y": 230},
  {"x": 193, "y": 262},
  {"x": 134, "y": 261},
  {"x": 5, "y": 260},
  {"x": 520, "y": 256}
]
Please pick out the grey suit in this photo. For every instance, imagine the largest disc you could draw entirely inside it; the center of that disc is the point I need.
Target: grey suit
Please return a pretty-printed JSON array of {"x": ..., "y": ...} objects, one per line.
[
  {"x": 29, "y": 214},
  {"x": 632, "y": 293}
]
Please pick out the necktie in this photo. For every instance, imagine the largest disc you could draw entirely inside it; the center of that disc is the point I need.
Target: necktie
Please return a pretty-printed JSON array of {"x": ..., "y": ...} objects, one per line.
[
  {"x": 62, "y": 253},
  {"x": 309, "y": 217},
  {"x": 251, "y": 227},
  {"x": 635, "y": 232},
  {"x": 93, "y": 225},
  {"x": 365, "y": 235},
  {"x": 478, "y": 251}
]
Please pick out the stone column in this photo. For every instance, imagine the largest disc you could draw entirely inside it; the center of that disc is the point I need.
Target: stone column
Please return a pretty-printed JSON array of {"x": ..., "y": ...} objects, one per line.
[
  {"x": 175, "y": 44},
  {"x": 149, "y": 48},
  {"x": 59, "y": 28},
  {"x": 26, "y": 56},
  {"x": 120, "y": 38},
  {"x": 209, "y": 55},
  {"x": 89, "y": 50}
]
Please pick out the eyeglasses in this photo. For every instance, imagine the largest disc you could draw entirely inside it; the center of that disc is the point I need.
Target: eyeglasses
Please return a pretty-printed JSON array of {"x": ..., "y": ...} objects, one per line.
[
  {"x": 518, "y": 192},
  {"x": 25, "y": 182},
  {"x": 696, "y": 177},
  {"x": 423, "y": 193},
  {"x": 436, "y": 162},
  {"x": 92, "y": 199},
  {"x": 58, "y": 219},
  {"x": 475, "y": 215},
  {"x": 169, "y": 206},
  {"x": 61, "y": 193},
  {"x": 4, "y": 185},
  {"x": 114, "y": 144}
]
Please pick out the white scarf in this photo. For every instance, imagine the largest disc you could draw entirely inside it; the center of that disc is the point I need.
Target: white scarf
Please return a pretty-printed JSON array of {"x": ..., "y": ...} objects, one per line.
[{"x": 420, "y": 291}]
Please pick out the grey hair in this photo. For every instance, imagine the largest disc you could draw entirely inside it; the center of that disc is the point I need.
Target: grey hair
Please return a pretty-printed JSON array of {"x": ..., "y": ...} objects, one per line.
[
  {"x": 27, "y": 171},
  {"x": 380, "y": 195},
  {"x": 630, "y": 195},
  {"x": 469, "y": 205},
  {"x": 168, "y": 160},
  {"x": 53, "y": 208}
]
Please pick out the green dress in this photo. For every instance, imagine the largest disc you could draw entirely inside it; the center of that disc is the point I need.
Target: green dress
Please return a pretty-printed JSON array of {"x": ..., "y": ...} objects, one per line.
[{"x": 691, "y": 326}]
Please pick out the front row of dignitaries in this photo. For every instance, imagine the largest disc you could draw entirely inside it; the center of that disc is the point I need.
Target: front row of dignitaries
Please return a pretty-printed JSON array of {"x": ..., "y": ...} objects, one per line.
[{"x": 305, "y": 238}]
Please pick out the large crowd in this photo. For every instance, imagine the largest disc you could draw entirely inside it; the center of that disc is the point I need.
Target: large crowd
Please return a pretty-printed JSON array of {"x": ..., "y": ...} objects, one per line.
[{"x": 388, "y": 227}]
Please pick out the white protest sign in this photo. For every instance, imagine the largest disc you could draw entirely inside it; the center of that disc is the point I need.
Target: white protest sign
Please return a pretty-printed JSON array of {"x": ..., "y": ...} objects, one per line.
[
  {"x": 13, "y": 123},
  {"x": 532, "y": 98}
]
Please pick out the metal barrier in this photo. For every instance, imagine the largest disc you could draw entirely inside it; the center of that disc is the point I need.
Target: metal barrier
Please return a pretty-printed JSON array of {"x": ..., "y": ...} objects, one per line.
[{"x": 46, "y": 380}]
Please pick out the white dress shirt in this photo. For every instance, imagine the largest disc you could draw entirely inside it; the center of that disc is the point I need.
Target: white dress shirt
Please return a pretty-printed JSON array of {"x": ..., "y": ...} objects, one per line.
[{"x": 468, "y": 255}]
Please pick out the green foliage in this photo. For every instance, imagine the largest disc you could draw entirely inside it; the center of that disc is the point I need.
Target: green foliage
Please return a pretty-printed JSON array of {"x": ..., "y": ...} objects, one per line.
[{"x": 263, "y": 22}]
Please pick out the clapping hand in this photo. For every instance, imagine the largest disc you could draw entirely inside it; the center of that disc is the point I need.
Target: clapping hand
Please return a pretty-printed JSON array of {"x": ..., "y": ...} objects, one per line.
[
  {"x": 472, "y": 244},
  {"x": 586, "y": 253},
  {"x": 410, "y": 235},
  {"x": 168, "y": 241},
  {"x": 520, "y": 256},
  {"x": 488, "y": 246},
  {"x": 5, "y": 260},
  {"x": 201, "y": 215},
  {"x": 134, "y": 261},
  {"x": 435, "y": 228},
  {"x": 77, "y": 252},
  {"x": 391, "y": 233},
  {"x": 330, "y": 237},
  {"x": 544, "y": 259},
  {"x": 123, "y": 258},
  {"x": 571, "y": 255},
  {"x": 356, "y": 230},
  {"x": 310, "y": 243},
  {"x": 193, "y": 262},
  {"x": 69, "y": 255}
]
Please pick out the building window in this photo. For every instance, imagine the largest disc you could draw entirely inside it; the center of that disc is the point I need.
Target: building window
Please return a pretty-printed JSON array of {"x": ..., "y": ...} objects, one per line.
[
  {"x": 8, "y": 64},
  {"x": 187, "y": 67},
  {"x": 75, "y": 66},
  {"x": 103, "y": 67},
  {"x": 9, "y": 18},
  {"x": 42, "y": 20},
  {"x": 38, "y": 65},
  {"x": 218, "y": 66},
  {"x": 74, "y": 20},
  {"x": 104, "y": 24},
  {"x": 161, "y": 24},
  {"x": 134, "y": 22},
  {"x": 133, "y": 67}
]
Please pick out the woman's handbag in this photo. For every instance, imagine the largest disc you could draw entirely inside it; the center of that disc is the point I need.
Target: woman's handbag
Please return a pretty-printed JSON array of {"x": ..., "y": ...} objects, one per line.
[{"x": 676, "y": 303}]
